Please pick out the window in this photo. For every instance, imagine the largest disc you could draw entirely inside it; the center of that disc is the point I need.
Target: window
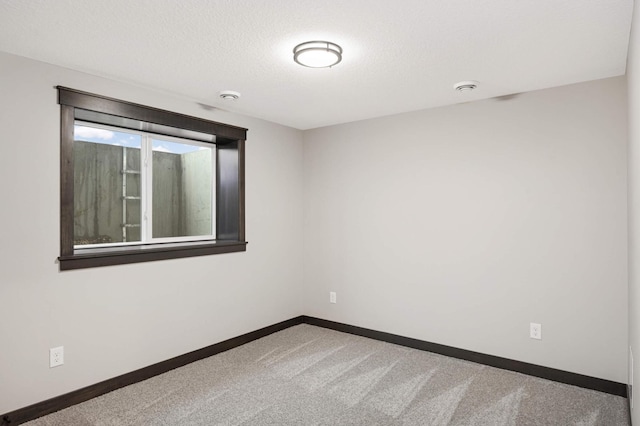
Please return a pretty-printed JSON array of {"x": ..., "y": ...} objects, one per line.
[
  {"x": 135, "y": 187},
  {"x": 141, "y": 184}
]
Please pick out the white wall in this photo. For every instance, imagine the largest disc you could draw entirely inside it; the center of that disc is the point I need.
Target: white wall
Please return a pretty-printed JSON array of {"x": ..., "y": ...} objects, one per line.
[
  {"x": 461, "y": 225},
  {"x": 633, "y": 82},
  {"x": 113, "y": 320}
]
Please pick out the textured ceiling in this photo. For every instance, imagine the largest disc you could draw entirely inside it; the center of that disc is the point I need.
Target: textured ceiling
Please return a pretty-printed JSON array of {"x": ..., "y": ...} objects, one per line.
[{"x": 398, "y": 56}]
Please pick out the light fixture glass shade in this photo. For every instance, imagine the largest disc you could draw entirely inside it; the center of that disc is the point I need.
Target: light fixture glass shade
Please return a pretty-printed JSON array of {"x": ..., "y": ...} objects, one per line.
[{"x": 317, "y": 54}]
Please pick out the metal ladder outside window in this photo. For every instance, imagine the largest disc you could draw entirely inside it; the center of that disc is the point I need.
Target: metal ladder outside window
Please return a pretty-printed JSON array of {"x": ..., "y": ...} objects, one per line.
[{"x": 126, "y": 198}]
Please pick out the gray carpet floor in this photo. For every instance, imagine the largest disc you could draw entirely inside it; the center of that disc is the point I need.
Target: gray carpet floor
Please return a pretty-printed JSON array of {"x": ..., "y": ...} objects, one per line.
[{"x": 307, "y": 375}]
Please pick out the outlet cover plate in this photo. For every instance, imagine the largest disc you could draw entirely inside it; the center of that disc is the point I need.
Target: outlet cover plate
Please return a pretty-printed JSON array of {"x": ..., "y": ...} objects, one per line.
[
  {"x": 56, "y": 356},
  {"x": 535, "y": 331}
]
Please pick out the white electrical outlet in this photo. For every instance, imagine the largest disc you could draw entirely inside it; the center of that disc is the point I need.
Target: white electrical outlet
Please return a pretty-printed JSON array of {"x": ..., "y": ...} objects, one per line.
[
  {"x": 56, "y": 356},
  {"x": 332, "y": 297},
  {"x": 535, "y": 331}
]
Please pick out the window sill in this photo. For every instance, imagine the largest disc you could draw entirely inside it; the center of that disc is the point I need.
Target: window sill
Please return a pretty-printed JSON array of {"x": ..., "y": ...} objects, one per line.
[{"x": 91, "y": 258}]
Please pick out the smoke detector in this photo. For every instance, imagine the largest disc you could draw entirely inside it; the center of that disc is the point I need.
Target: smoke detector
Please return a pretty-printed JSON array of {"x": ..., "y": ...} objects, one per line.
[
  {"x": 465, "y": 86},
  {"x": 229, "y": 95}
]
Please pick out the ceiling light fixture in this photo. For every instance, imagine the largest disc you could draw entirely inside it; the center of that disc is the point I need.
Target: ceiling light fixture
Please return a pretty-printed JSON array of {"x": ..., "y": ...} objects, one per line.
[
  {"x": 229, "y": 95},
  {"x": 466, "y": 86},
  {"x": 317, "y": 54}
]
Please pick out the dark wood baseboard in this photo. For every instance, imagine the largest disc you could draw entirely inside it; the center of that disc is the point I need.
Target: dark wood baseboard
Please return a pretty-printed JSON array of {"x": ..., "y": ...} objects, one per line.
[
  {"x": 588, "y": 382},
  {"x": 629, "y": 398},
  {"x": 63, "y": 401}
]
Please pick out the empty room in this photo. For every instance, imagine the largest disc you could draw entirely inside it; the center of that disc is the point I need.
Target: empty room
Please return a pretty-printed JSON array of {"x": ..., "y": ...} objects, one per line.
[{"x": 320, "y": 213}]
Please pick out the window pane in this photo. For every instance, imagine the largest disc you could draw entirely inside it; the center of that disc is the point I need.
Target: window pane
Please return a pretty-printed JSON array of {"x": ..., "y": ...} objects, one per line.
[
  {"x": 182, "y": 189},
  {"x": 106, "y": 186},
  {"x": 133, "y": 124}
]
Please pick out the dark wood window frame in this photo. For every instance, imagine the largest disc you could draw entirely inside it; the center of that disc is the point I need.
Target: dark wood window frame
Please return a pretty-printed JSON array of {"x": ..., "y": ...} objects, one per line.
[{"x": 230, "y": 168}]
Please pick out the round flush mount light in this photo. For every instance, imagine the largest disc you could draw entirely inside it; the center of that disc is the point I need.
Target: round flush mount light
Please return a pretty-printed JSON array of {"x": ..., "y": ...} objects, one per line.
[
  {"x": 466, "y": 86},
  {"x": 229, "y": 95},
  {"x": 317, "y": 54}
]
